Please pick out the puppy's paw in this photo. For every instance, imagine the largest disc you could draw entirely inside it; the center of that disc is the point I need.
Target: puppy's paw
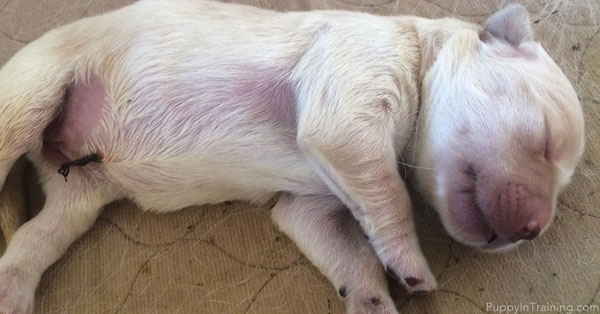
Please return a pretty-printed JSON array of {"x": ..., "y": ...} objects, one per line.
[
  {"x": 16, "y": 292},
  {"x": 370, "y": 303},
  {"x": 413, "y": 273}
]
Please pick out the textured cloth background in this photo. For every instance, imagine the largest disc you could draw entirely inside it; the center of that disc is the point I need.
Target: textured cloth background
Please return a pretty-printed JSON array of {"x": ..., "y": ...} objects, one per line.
[{"x": 230, "y": 258}]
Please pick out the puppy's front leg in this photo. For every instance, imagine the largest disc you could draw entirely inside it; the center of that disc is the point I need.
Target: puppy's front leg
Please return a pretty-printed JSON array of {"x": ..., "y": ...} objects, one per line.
[
  {"x": 346, "y": 130},
  {"x": 331, "y": 239},
  {"x": 70, "y": 210}
]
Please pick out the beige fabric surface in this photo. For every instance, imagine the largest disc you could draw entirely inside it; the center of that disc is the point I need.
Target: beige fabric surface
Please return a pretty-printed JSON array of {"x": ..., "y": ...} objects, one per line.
[{"x": 230, "y": 258}]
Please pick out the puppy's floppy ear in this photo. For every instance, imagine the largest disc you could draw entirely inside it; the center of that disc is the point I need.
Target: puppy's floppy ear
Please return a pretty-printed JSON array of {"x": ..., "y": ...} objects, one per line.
[{"x": 510, "y": 24}]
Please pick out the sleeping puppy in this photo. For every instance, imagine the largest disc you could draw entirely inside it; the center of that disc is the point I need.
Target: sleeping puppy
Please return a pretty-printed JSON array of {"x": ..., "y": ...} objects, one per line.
[{"x": 179, "y": 103}]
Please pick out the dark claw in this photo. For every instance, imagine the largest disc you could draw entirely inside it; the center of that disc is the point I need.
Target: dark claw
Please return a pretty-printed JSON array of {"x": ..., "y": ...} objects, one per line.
[
  {"x": 492, "y": 237},
  {"x": 412, "y": 281},
  {"x": 391, "y": 273},
  {"x": 375, "y": 300},
  {"x": 342, "y": 291}
]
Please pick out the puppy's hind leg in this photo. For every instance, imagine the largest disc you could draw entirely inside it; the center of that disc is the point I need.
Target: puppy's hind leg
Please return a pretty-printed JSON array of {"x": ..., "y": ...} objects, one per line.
[
  {"x": 32, "y": 88},
  {"x": 71, "y": 209},
  {"x": 331, "y": 239}
]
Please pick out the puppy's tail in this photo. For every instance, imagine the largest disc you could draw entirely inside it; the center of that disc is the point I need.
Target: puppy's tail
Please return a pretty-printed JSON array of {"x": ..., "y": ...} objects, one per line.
[{"x": 32, "y": 88}]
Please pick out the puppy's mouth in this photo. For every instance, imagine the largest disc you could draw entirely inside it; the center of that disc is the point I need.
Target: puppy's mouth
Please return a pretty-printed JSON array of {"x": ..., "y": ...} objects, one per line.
[
  {"x": 468, "y": 215},
  {"x": 492, "y": 238}
]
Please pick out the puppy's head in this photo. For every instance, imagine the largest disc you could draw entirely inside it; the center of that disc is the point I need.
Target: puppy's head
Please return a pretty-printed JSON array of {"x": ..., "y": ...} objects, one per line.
[{"x": 499, "y": 135}]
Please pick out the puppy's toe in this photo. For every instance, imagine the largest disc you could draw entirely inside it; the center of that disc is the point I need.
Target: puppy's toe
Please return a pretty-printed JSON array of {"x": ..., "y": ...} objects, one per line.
[
  {"x": 371, "y": 303},
  {"x": 16, "y": 295},
  {"x": 420, "y": 285},
  {"x": 413, "y": 274}
]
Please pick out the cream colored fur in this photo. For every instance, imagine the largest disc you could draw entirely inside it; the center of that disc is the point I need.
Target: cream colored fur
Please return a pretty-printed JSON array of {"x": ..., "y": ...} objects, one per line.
[{"x": 207, "y": 102}]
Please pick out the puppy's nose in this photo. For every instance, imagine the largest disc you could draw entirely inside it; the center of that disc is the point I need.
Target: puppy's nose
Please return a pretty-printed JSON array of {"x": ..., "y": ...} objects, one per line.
[
  {"x": 519, "y": 211},
  {"x": 529, "y": 232}
]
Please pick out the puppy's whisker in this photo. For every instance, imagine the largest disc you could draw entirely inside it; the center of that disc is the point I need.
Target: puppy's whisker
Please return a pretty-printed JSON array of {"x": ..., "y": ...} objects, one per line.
[{"x": 412, "y": 166}]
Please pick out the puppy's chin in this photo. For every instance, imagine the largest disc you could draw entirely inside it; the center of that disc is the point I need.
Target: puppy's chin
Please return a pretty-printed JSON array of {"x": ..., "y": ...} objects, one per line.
[
  {"x": 494, "y": 247},
  {"x": 481, "y": 239},
  {"x": 500, "y": 246}
]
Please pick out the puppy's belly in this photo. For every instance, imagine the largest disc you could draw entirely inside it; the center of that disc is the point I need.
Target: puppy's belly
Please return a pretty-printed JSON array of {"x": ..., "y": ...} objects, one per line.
[
  {"x": 233, "y": 168},
  {"x": 174, "y": 144}
]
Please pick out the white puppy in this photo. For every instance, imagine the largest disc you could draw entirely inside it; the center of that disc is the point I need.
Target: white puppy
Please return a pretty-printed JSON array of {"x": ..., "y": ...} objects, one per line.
[{"x": 179, "y": 103}]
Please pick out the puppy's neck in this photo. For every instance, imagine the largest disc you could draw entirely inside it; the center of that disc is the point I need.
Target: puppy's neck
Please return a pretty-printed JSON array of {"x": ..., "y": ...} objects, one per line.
[{"x": 433, "y": 35}]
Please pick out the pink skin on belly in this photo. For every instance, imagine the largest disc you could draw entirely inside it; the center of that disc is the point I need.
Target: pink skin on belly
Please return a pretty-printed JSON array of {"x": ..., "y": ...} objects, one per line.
[
  {"x": 247, "y": 98},
  {"x": 271, "y": 94},
  {"x": 81, "y": 112}
]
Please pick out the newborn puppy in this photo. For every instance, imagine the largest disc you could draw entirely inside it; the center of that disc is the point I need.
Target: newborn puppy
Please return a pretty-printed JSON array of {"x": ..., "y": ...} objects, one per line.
[{"x": 180, "y": 103}]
